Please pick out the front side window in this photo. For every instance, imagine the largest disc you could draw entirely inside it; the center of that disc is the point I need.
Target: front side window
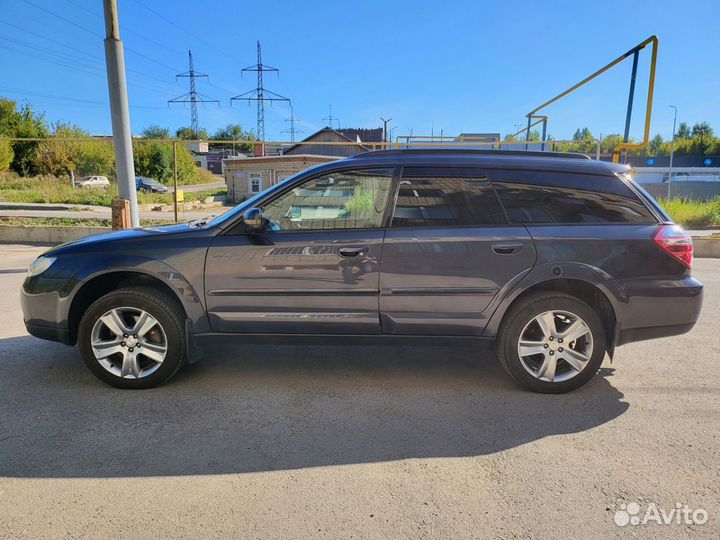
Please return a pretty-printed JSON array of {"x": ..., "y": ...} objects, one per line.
[
  {"x": 446, "y": 197},
  {"x": 341, "y": 200}
]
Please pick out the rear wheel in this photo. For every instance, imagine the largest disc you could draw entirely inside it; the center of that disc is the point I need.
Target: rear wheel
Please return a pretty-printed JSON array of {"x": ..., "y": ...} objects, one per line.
[
  {"x": 133, "y": 338},
  {"x": 551, "y": 342}
]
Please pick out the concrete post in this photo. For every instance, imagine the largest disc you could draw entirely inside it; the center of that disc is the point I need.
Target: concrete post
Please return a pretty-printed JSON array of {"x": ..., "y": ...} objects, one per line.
[{"x": 117, "y": 87}]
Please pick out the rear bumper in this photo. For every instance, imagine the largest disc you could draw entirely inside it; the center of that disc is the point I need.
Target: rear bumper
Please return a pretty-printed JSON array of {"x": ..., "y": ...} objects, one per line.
[
  {"x": 650, "y": 309},
  {"x": 641, "y": 334}
]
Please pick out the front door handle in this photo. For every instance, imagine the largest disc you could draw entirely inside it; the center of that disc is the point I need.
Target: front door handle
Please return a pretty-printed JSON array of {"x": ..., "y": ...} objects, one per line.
[
  {"x": 352, "y": 251},
  {"x": 507, "y": 248}
]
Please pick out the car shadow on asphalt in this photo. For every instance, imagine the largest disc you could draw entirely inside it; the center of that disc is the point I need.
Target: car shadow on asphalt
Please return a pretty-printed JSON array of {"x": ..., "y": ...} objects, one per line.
[{"x": 258, "y": 408}]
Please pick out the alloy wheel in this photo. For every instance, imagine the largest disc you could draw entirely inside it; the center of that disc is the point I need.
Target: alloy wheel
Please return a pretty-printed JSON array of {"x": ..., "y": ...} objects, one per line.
[
  {"x": 129, "y": 342},
  {"x": 555, "y": 346}
]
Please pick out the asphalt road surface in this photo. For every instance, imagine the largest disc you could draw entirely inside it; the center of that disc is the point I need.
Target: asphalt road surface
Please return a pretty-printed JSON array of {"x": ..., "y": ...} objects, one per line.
[{"x": 358, "y": 442}]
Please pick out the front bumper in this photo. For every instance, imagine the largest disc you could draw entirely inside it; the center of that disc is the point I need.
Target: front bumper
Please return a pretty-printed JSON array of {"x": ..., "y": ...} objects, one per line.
[
  {"x": 45, "y": 306},
  {"x": 50, "y": 333}
]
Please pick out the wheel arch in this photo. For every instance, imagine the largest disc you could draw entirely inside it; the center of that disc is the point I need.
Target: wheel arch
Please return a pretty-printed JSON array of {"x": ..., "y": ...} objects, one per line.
[
  {"x": 588, "y": 292},
  {"x": 106, "y": 282}
]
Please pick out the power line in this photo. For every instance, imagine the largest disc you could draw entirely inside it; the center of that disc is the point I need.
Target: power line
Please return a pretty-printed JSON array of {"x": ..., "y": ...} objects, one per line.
[
  {"x": 57, "y": 59},
  {"x": 188, "y": 32},
  {"x": 24, "y": 92},
  {"x": 68, "y": 21},
  {"x": 260, "y": 94},
  {"x": 125, "y": 30},
  {"x": 97, "y": 59},
  {"x": 64, "y": 19},
  {"x": 193, "y": 97}
]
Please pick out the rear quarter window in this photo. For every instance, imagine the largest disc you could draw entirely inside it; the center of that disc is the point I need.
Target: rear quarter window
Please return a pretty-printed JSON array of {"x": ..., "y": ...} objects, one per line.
[{"x": 554, "y": 197}]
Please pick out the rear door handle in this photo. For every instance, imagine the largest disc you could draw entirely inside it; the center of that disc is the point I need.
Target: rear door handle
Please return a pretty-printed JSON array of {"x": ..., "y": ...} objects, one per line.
[
  {"x": 352, "y": 251},
  {"x": 507, "y": 248}
]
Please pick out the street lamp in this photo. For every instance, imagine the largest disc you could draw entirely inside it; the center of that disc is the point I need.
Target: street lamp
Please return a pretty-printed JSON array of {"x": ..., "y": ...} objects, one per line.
[{"x": 672, "y": 149}]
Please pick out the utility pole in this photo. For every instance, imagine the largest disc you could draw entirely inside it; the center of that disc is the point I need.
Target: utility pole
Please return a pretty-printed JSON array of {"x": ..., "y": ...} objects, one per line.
[
  {"x": 331, "y": 119},
  {"x": 385, "y": 130},
  {"x": 193, "y": 97},
  {"x": 672, "y": 150},
  {"x": 119, "y": 109},
  {"x": 260, "y": 94},
  {"x": 292, "y": 131}
]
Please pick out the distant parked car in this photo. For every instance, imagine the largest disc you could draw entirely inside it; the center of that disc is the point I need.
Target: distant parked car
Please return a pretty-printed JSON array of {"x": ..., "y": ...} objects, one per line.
[
  {"x": 92, "y": 182},
  {"x": 149, "y": 185}
]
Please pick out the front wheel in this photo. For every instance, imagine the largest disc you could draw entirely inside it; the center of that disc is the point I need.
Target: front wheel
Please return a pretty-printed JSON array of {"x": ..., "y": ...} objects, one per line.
[
  {"x": 551, "y": 342},
  {"x": 133, "y": 338}
]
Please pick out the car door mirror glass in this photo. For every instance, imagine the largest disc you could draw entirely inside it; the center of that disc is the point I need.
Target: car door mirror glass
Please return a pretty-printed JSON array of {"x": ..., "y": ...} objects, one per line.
[{"x": 253, "y": 219}]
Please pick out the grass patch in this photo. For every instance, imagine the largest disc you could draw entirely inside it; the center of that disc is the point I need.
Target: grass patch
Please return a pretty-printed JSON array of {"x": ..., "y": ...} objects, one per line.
[
  {"x": 189, "y": 196},
  {"x": 68, "y": 222},
  {"x": 693, "y": 213},
  {"x": 49, "y": 189}
]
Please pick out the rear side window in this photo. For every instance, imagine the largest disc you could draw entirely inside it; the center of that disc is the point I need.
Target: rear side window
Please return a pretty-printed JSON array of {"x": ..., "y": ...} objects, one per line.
[
  {"x": 550, "y": 197},
  {"x": 432, "y": 197}
]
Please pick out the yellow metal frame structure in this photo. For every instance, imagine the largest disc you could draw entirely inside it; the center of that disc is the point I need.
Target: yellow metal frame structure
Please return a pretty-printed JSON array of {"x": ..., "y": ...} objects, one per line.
[{"x": 648, "y": 110}]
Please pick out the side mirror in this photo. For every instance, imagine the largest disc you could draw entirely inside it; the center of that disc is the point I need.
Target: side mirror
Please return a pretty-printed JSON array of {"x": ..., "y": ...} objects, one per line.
[{"x": 253, "y": 219}]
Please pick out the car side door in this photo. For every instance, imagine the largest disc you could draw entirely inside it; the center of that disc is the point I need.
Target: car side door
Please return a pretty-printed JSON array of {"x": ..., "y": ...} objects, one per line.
[
  {"x": 314, "y": 268},
  {"x": 449, "y": 251}
]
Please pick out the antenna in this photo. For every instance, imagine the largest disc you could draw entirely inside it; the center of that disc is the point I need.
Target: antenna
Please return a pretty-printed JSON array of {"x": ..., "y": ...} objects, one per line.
[
  {"x": 292, "y": 131},
  {"x": 331, "y": 119},
  {"x": 260, "y": 94},
  {"x": 193, "y": 97}
]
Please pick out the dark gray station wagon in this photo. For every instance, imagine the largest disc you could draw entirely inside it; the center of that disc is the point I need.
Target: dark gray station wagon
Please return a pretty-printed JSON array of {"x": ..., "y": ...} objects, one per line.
[{"x": 556, "y": 258}]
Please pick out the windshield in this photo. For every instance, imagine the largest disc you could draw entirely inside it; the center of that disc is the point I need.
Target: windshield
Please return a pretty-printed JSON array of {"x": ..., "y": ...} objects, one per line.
[{"x": 150, "y": 181}]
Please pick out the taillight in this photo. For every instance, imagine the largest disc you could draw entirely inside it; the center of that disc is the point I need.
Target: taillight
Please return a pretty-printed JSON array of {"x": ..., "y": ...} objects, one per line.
[{"x": 676, "y": 242}]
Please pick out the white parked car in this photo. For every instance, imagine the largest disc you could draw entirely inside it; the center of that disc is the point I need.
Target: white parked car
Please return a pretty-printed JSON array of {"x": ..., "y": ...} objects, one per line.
[{"x": 92, "y": 182}]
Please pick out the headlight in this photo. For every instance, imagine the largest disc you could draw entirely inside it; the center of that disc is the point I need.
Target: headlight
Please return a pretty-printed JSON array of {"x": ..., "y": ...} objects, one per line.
[{"x": 40, "y": 265}]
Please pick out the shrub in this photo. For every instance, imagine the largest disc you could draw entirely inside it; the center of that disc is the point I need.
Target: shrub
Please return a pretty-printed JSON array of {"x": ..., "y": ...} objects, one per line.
[{"x": 693, "y": 213}]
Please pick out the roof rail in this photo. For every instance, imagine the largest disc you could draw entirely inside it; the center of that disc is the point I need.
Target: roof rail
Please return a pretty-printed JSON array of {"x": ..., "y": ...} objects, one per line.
[{"x": 476, "y": 151}]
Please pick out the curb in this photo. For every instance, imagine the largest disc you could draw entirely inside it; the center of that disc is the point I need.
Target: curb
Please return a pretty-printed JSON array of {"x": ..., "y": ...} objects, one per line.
[
  {"x": 706, "y": 247},
  {"x": 46, "y": 235}
]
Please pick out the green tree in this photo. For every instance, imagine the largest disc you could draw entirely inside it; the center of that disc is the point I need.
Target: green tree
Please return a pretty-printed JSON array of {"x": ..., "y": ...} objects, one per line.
[
  {"x": 610, "y": 141},
  {"x": 8, "y": 117},
  {"x": 6, "y": 155},
  {"x": 583, "y": 134},
  {"x": 58, "y": 157},
  {"x": 702, "y": 129},
  {"x": 154, "y": 131},
  {"x": 95, "y": 157},
  {"x": 21, "y": 123},
  {"x": 655, "y": 145},
  {"x": 233, "y": 132},
  {"x": 187, "y": 134},
  {"x": 702, "y": 134},
  {"x": 683, "y": 131},
  {"x": 154, "y": 160}
]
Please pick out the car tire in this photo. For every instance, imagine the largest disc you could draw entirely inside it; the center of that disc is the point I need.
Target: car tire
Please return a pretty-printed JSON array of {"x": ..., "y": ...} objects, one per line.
[
  {"x": 544, "y": 361},
  {"x": 115, "y": 354}
]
